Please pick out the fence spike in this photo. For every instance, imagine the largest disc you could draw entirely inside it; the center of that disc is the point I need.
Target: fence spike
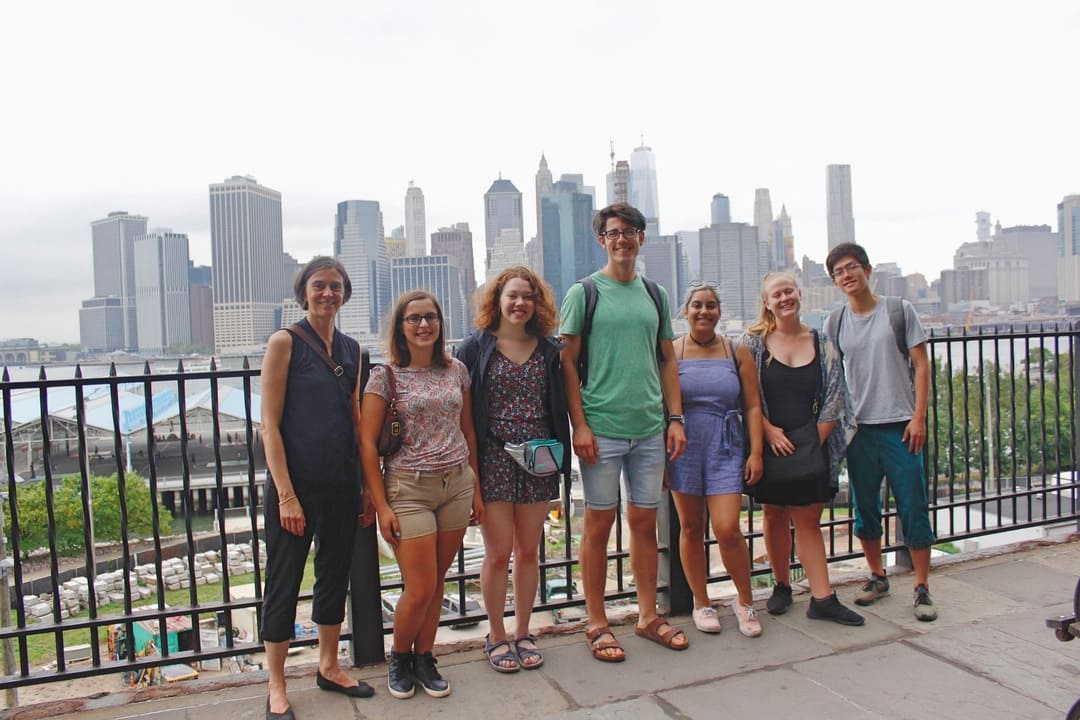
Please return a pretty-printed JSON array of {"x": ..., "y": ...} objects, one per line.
[
  {"x": 78, "y": 371},
  {"x": 180, "y": 365},
  {"x": 41, "y": 373},
  {"x": 246, "y": 365},
  {"x": 213, "y": 364},
  {"x": 7, "y": 377},
  {"x": 112, "y": 369}
]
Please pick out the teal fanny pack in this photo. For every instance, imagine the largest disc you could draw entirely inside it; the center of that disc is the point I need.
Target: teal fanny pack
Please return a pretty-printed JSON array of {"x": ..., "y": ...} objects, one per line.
[{"x": 537, "y": 457}]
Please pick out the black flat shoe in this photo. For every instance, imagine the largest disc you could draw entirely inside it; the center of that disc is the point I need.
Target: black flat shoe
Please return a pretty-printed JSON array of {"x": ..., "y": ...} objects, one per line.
[
  {"x": 363, "y": 690},
  {"x": 287, "y": 715}
]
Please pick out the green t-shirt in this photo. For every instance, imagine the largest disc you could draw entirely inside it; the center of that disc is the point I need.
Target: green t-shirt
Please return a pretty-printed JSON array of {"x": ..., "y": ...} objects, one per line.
[{"x": 622, "y": 399}]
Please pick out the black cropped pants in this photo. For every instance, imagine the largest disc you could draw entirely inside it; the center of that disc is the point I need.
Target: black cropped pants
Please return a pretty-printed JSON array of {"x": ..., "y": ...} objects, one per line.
[{"x": 331, "y": 520}]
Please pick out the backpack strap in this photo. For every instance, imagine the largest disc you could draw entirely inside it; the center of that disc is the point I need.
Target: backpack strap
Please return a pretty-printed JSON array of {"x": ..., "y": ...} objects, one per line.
[
  {"x": 898, "y": 321},
  {"x": 589, "y": 285},
  {"x": 832, "y": 327},
  {"x": 654, "y": 293}
]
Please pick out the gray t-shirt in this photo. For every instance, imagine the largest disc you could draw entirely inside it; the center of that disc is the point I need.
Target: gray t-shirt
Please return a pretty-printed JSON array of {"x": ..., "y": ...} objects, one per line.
[{"x": 878, "y": 375}]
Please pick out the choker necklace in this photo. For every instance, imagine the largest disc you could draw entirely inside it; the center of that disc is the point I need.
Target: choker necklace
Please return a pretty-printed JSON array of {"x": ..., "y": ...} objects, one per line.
[{"x": 707, "y": 343}]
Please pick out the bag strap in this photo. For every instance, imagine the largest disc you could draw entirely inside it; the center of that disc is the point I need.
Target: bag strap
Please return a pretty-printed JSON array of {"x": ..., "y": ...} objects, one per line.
[
  {"x": 297, "y": 330},
  {"x": 390, "y": 384}
]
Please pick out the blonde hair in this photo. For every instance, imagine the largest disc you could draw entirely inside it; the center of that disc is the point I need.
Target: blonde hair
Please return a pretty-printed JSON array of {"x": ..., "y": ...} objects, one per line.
[{"x": 766, "y": 321}]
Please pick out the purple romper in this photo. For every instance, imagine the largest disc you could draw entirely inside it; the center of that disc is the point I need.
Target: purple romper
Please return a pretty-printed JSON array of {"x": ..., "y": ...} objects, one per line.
[{"x": 713, "y": 461}]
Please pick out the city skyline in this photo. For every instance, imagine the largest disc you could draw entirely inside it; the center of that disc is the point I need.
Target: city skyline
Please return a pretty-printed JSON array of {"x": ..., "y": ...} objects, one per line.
[{"x": 931, "y": 137}]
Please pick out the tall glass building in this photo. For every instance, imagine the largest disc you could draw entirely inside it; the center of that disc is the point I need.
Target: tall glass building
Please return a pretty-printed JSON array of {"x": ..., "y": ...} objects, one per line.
[
  {"x": 440, "y": 276},
  {"x": 360, "y": 245}
]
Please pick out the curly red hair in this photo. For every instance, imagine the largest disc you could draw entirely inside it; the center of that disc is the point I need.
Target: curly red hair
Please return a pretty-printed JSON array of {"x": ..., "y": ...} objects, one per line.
[{"x": 487, "y": 302}]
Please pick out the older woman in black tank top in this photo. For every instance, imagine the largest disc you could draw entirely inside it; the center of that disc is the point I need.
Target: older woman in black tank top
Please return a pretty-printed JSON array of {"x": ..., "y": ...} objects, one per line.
[{"x": 310, "y": 423}]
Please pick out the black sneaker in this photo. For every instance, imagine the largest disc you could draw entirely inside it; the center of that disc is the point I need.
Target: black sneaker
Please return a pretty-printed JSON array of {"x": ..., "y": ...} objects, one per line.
[
  {"x": 780, "y": 600},
  {"x": 924, "y": 605},
  {"x": 831, "y": 609},
  {"x": 877, "y": 586},
  {"x": 399, "y": 675},
  {"x": 428, "y": 675}
]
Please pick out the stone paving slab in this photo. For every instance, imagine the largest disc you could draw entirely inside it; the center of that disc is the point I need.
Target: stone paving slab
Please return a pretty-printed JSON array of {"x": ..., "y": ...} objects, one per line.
[
  {"x": 899, "y": 681},
  {"x": 776, "y": 693},
  {"x": 959, "y": 602},
  {"x": 835, "y": 636},
  {"x": 650, "y": 668},
  {"x": 1023, "y": 580},
  {"x": 1046, "y": 676},
  {"x": 644, "y": 708}
]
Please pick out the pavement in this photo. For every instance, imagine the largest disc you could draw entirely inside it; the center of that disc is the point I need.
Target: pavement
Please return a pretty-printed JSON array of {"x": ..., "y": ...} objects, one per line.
[{"x": 989, "y": 655}]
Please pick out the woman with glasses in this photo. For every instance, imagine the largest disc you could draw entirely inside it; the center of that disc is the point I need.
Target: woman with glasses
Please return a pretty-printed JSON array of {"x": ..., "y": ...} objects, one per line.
[
  {"x": 518, "y": 394},
  {"x": 425, "y": 494},
  {"x": 802, "y": 381},
  {"x": 310, "y": 421},
  {"x": 719, "y": 388}
]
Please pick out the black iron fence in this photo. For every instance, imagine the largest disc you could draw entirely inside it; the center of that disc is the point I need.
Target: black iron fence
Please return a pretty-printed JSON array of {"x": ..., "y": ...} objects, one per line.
[{"x": 133, "y": 504}]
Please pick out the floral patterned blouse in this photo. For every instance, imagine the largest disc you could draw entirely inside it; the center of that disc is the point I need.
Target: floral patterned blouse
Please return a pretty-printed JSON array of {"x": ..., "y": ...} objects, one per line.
[{"x": 429, "y": 402}]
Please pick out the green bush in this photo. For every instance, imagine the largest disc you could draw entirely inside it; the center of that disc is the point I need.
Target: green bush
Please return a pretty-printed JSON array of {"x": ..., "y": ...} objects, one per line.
[{"x": 68, "y": 513}]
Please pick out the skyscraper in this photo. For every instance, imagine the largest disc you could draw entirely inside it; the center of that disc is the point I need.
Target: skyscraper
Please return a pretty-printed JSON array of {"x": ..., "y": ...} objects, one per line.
[
  {"x": 543, "y": 188},
  {"x": 763, "y": 219},
  {"x": 162, "y": 290},
  {"x": 720, "y": 209},
  {"x": 1068, "y": 236},
  {"x": 731, "y": 256},
  {"x": 200, "y": 279},
  {"x": 785, "y": 240},
  {"x": 982, "y": 226},
  {"x": 1039, "y": 244},
  {"x": 570, "y": 249},
  {"x": 361, "y": 247},
  {"x": 457, "y": 242},
  {"x": 660, "y": 258},
  {"x": 502, "y": 211},
  {"x": 440, "y": 276},
  {"x": 618, "y": 180},
  {"x": 840, "y": 216},
  {"x": 114, "y": 269},
  {"x": 642, "y": 186},
  {"x": 415, "y": 222},
  {"x": 245, "y": 244}
]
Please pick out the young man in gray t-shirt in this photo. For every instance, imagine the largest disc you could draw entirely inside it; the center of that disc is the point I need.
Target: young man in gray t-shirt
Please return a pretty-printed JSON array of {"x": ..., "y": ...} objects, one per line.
[{"x": 889, "y": 391}]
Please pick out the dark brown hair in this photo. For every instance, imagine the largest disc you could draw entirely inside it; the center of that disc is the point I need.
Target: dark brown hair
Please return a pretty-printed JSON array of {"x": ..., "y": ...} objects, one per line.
[
  {"x": 628, "y": 213},
  {"x": 488, "y": 314},
  {"x": 399, "y": 347},
  {"x": 317, "y": 263}
]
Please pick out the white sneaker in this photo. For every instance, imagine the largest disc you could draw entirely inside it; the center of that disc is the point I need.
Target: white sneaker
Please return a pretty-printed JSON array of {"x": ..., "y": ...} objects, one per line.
[
  {"x": 749, "y": 625},
  {"x": 706, "y": 620}
]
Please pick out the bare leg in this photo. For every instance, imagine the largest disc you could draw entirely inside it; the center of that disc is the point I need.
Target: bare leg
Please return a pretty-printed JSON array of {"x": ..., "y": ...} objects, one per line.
[
  {"x": 778, "y": 541},
  {"x": 593, "y": 559},
  {"x": 275, "y": 665},
  {"x": 724, "y": 511},
  {"x": 447, "y": 544},
  {"x": 691, "y": 509},
  {"x": 643, "y": 559},
  {"x": 498, "y": 541},
  {"x": 528, "y": 533},
  {"x": 416, "y": 558},
  {"x": 872, "y": 552},
  {"x": 920, "y": 560},
  {"x": 811, "y": 548}
]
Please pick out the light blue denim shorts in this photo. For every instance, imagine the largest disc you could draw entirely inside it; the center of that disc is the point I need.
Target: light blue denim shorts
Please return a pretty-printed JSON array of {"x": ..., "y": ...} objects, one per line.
[{"x": 641, "y": 462}]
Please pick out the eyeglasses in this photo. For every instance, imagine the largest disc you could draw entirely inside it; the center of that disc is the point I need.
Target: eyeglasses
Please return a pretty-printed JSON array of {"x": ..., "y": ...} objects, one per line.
[
  {"x": 631, "y": 234},
  {"x": 848, "y": 269},
  {"x": 694, "y": 284},
  {"x": 429, "y": 318}
]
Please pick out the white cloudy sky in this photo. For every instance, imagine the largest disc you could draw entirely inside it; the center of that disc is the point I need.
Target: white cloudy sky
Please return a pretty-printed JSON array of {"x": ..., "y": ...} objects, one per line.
[{"x": 941, "y": 108}]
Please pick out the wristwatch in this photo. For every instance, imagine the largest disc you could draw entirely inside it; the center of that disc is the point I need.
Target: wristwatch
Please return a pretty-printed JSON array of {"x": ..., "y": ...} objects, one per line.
[{"x": 676, "y": 418}]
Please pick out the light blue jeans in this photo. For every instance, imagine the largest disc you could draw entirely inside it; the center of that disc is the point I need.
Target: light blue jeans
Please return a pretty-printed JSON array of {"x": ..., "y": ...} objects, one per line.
[{"x": 640, "y": 461}]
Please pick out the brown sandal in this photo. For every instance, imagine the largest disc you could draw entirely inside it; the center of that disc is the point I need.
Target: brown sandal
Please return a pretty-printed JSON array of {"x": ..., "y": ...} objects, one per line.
[
  {"x": 597, "y": 644},
  {"x": 665, "y": 638}
]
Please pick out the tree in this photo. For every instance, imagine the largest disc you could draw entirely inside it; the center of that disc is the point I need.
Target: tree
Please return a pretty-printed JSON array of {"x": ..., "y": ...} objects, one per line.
[{"x": 68, "y": 513}]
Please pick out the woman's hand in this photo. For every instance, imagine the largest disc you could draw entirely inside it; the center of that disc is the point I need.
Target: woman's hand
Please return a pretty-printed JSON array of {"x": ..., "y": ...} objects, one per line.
[
  {"x": 367, "y": 511},
  {"x": 477, "y": 509},
  {"x": 291, "y": 515},
  {"x": 388, "y": 526},
  {"x": 752, "y": 469},
  {"x": 777, "y": 440}
]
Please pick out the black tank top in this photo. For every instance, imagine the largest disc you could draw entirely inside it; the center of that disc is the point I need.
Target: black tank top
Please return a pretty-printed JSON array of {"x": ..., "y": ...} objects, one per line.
[
  {"x": 317, "y": 420},
  {"x": 791, "y": 392}
]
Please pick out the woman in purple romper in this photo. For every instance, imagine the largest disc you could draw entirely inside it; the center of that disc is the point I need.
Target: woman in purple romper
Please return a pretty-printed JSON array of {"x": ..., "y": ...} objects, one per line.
[{"x": 714, "y": 377}]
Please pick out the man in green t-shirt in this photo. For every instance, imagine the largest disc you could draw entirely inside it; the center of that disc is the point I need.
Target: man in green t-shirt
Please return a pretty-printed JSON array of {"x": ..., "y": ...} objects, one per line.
[{"x": 618, "y": 420}]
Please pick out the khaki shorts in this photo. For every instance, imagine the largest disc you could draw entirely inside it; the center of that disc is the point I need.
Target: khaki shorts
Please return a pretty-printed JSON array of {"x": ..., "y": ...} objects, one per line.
[{"x": 431, "y": 501}]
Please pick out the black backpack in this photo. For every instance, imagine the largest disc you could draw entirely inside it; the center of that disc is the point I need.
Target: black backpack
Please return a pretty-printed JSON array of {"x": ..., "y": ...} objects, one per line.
[{"x": 591, "y": 295}]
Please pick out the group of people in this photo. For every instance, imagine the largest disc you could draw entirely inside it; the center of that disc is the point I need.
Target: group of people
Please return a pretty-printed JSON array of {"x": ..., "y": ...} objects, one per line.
[{"x": 709, "y": 418}]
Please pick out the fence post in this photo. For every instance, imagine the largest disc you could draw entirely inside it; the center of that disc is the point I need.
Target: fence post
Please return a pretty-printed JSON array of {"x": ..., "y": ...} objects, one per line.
[
  {"x": 365, "y": 601},
  {"x": 680, "y": 600}
]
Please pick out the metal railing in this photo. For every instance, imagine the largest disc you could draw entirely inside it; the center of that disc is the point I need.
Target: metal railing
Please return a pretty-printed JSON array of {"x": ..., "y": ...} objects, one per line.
[{"x": 184, "y": 452}]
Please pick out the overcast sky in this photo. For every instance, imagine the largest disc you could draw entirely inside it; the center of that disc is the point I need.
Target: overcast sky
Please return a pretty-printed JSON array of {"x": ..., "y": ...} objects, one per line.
[{"x": 942, "y": 109}]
